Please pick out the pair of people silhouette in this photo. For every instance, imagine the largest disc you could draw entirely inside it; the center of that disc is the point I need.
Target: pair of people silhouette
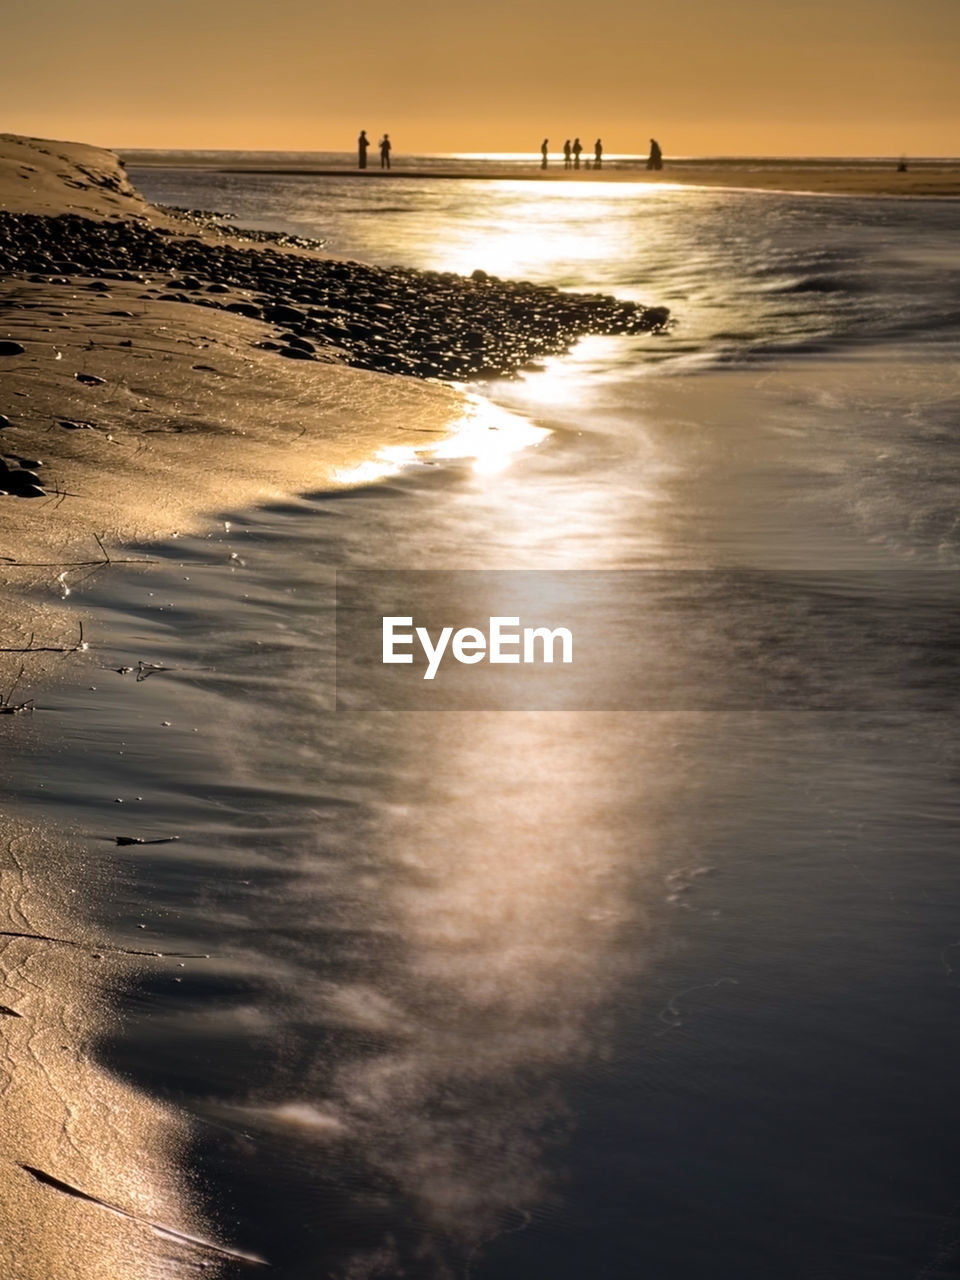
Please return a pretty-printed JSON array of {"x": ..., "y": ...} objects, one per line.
[
  {"x": 572, "y": 151},
  {"x": 363, "y": 145}
]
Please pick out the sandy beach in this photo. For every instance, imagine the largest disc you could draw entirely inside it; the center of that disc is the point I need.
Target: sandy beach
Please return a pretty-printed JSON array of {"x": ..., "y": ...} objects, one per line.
[
  {"x": 136, "y": 414},
  {"x": 124, "y": 418}
]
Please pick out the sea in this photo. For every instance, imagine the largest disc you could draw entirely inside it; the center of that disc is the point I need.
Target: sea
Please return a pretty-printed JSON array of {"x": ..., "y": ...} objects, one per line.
[{"x": 658, "y": 980}]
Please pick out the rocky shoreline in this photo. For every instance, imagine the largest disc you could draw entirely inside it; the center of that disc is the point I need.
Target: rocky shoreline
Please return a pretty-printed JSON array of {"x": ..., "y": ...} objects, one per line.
[{"x": 386, "y": 320}]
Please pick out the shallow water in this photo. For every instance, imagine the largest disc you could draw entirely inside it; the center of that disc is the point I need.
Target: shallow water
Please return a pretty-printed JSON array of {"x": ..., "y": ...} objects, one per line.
[{"x": 502, "y": 993}]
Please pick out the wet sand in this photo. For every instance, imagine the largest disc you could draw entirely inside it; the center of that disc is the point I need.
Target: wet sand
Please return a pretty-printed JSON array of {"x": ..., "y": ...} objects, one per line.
[
  {"x": 123, "y": 419},
  {"x": 89, "y": 1178}
]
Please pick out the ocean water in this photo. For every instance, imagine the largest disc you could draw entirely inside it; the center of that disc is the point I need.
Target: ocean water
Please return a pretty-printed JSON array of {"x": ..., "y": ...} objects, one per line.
[{"x": 500, "y": 993}]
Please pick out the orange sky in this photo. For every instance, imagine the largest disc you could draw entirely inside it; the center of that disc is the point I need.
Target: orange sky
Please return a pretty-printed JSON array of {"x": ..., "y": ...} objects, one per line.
[{"x": 707, "y": 77}]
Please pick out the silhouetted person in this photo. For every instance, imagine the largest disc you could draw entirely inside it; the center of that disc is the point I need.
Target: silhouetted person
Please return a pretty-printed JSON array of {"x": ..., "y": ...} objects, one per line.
[
  {"x": 363, "y": 142},
  {"x": 544, "y": 149},
  {"x": 902, "y": 165},
  {"x": 576, "y": 149},
  {"x": 385, "y": 151},
  {"x": 566, "y": 154},
  {"x": 598, "y": 154},
  {"x": 655, "y": 159}
]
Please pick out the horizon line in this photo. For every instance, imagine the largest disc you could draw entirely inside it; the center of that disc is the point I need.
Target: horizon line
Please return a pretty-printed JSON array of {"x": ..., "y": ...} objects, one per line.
[{"x": 534, "y": 155}]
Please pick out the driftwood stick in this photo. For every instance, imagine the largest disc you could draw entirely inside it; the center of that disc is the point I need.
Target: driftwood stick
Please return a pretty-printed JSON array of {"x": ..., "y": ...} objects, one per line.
[{"x": 79, "y": 647}]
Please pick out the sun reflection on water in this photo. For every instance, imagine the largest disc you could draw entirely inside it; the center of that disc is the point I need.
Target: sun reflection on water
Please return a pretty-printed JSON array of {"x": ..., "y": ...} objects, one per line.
[
  {"x": 568, "y": 234},
  {"x": 486, "y": 436},
  {"x": 507, "y": 940}
]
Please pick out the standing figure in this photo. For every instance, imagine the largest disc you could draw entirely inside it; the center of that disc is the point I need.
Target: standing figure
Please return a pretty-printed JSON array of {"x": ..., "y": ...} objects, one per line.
[
  {"x": 385, "y": 151},
  {"x": 362, "y": 143},
  {"x": 598, "y": 154},
  {"x": 655, "y": 159},
  {"x": 577, "y": 148},
  {"x": 566, "y": 154},
  {"x": 544, "y": 148}
]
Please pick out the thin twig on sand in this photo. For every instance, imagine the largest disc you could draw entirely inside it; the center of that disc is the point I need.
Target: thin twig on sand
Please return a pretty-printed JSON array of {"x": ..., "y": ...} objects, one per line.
[
  {"x": 106, "y": 559},
  {"x": 7, "y": 705},
  {"x": 30, "y": 647}
]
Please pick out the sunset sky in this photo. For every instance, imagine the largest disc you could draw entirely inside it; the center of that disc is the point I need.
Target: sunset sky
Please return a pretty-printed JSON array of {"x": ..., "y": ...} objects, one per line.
[{"x": 707, "y": 77}]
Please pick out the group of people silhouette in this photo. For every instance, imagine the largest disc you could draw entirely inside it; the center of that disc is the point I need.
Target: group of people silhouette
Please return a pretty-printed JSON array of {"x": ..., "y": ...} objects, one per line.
[
  {"x": 363, "y": 145},
  {"x": 572, "y": 152}
]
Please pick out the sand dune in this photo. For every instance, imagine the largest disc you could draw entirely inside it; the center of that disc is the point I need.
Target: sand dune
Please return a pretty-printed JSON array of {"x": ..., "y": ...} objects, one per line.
[{"x": 41, "y": 176}]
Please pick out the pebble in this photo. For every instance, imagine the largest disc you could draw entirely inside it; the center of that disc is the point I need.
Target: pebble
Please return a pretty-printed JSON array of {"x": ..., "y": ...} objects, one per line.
[
  {"x": 24, "y": 490},
  {"x": 393, "y": 320},
  {"x": 283, "y": 314},
  {"x": 245, "y": 309},
  {"x": 302, "y": 344},
  {"x": 20, "y": 482}
]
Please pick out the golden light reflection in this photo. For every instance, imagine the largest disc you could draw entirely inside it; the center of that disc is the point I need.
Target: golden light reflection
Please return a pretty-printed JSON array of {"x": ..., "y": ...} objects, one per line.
[
  {"x": 549, "y": 233},
  {"x": 385, "y": 462},
  {"x": 486, "y": 436},
  {"x": 517, "y": 908},
  {"x": 490, "y": 437},
  {"x": 567, "y": 381}
]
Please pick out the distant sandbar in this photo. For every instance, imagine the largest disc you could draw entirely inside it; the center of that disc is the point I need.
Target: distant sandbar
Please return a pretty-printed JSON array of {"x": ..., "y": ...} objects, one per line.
[{"x": 921, "y": 178}]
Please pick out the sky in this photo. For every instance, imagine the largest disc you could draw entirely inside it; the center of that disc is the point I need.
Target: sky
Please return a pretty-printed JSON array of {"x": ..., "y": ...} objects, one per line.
[{"x": 706, "y": 77}]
